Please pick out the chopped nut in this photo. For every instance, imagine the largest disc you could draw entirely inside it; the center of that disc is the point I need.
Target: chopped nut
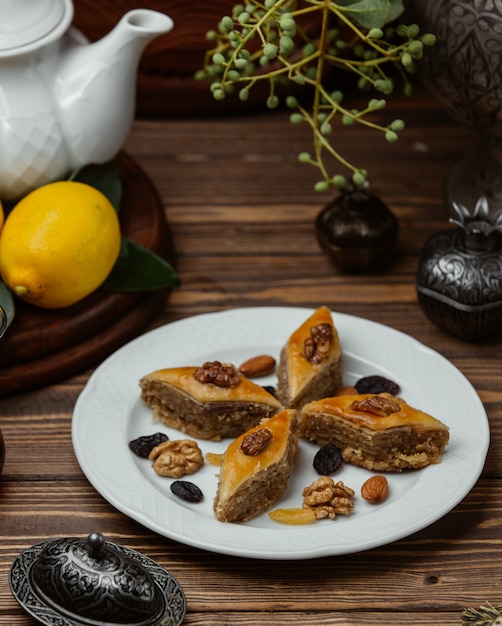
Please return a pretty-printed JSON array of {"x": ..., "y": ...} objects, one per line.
[
  {"x": 261, "y": 365},
  {"x": 256, "y": 441},
  {"x": 375, "y": 489},
  {"x": 327, "y": 498},
  {"x": 316, "y": 347},
  {"x": 219, "y": 374},
  {"x": 176, "y": 458},
  {"x": 381, "y": 405}
]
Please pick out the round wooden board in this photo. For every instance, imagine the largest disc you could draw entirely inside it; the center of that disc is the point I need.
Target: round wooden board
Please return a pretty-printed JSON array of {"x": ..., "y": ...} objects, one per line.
[{"x": 43, "y": 346}]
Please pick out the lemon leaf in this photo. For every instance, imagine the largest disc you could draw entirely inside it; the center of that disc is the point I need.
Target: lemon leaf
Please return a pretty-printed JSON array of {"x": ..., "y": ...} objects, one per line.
[
  {"x": 8, "y": 308},
  {"x": 102, "y": 176},
  {"x": 139, "y": 269}
]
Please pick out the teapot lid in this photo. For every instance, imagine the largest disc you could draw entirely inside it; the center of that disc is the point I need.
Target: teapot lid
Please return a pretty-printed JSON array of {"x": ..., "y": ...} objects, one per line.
[
  {"x": 92, "y": 582},
  {"x": 28, "y": 24}
]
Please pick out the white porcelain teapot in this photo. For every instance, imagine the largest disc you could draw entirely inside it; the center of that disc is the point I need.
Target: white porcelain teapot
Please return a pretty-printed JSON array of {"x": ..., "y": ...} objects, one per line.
[{"x": 64, "y": 102}]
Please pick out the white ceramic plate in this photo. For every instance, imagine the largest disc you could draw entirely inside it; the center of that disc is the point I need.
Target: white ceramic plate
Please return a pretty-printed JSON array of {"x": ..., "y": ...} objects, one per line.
[{"x": 109, "y": 413}]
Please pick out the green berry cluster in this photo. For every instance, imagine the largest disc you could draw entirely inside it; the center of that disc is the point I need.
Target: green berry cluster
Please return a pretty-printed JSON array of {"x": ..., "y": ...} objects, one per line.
[{"x": 267, "y": 40}]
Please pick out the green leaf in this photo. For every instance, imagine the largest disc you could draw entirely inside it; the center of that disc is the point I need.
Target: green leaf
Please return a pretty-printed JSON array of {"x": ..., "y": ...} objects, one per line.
[
  {"x": 396, "y": 9},
  {"x": 368, "y": 13},
  {"x": 101, "y": 176},
  {"x": 8, "y": 310},
  {"x": 139, "y": 269}
]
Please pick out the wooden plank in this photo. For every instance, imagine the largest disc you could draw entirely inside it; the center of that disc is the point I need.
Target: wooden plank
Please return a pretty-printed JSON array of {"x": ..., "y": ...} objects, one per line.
[{"x": 278, "y": 618}]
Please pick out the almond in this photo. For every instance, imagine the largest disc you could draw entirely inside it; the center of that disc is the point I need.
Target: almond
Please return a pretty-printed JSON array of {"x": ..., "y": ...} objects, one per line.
[
  {"x": 257, "y": 366},
  {"x": 375, "y": 489}
]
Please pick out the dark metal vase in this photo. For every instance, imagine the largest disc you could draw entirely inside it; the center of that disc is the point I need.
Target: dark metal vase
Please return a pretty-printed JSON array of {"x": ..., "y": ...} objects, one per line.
[
  {"x": 464, "y": 70},
  {"x": 358, "y": 231},
  {"x": 459, "y": 279}
]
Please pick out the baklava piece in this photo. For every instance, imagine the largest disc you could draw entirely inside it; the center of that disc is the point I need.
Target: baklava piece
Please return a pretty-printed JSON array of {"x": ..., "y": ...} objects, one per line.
[
  {"x": 256, "y": 468},
  {"x": 209, "y": 402},
  {"x": 310, "y": 365},
  {"x": 375, "y": 431}
]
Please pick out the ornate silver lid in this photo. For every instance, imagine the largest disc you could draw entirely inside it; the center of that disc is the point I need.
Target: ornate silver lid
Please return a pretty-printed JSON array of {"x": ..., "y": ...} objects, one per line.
[{"x": 92, "y": 582}]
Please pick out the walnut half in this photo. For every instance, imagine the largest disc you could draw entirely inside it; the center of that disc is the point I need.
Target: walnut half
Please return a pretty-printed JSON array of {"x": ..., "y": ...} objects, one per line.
[
  {"x": 176, "y": 458},
  {"x": 219, "y": 374},
  {"x": 380, "y": 405},
  {"x": 317, "y": 346},
  {"x": 256, "y": 441},
  {"x": 327, "y": 498}
]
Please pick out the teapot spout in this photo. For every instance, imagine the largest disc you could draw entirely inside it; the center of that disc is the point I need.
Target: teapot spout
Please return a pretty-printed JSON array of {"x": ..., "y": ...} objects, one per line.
[{"x": 95, "y": 86}]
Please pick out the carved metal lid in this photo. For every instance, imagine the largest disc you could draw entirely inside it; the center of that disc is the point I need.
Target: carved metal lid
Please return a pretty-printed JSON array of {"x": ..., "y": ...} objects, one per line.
[
  {"x": 75, "y": 582},
  {"x": 28, "y": 24}
]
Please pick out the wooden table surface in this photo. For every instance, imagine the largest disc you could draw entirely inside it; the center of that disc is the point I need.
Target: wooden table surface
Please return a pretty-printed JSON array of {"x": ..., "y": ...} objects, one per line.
[{"x": 241, "y": 210}]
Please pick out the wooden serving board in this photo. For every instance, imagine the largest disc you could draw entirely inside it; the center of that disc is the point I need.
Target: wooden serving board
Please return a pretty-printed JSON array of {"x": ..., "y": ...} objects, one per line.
[{"x": 43, "y": 346}]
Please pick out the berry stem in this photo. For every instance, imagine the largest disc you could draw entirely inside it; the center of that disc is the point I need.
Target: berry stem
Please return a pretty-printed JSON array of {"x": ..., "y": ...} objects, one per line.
[{"x": 265, "y": 40}]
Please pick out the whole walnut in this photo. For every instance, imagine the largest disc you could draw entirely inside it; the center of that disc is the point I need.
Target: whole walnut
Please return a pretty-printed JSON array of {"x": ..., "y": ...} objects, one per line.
[{"x": 176, "y": 458}]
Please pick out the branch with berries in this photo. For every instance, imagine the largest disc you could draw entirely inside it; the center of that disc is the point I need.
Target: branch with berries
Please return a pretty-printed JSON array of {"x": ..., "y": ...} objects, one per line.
[{"x": 265, "y": 41}]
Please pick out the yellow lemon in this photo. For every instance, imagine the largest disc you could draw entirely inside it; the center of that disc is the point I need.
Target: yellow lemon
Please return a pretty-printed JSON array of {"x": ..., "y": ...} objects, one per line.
[{"x": 59, "y": 243}]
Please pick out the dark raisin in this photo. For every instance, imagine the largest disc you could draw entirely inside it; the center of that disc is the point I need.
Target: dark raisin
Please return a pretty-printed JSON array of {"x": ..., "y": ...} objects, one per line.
[
  {"x": 327, "y": 460},
  {"x": 376, "y": 384},
  {"x": 187, "y": 491},
  {"x": 269, "y": 389},
  {"x": 142, "y": 446}
]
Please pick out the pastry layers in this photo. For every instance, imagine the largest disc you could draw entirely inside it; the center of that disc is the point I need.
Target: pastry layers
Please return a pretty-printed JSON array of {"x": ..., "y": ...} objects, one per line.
[
  {"x": 251, "y": 482},
  {"x": 208, "y": 402},
  {"x": 378, "y": 432},
  {"x": 310, "y": 365}
]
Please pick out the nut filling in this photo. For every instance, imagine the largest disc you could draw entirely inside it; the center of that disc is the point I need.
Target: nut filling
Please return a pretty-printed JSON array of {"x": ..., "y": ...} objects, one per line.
[
  {"x": 219, "y": 374},
  {"x": 317, "y": 346},
  {"x": 255, "y": 442}
]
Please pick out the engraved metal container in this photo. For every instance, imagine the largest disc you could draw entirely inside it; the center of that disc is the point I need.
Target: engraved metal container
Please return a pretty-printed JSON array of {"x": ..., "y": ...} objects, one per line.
[
  {"x": 92, "y": 582},
  {"x": 459, "y": 278}
]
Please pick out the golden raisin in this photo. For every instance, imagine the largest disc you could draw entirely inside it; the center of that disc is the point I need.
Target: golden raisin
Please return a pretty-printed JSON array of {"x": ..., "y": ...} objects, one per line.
[
  {"x": 214, "y": 458},
  {"x": 293, "y": 516}
]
